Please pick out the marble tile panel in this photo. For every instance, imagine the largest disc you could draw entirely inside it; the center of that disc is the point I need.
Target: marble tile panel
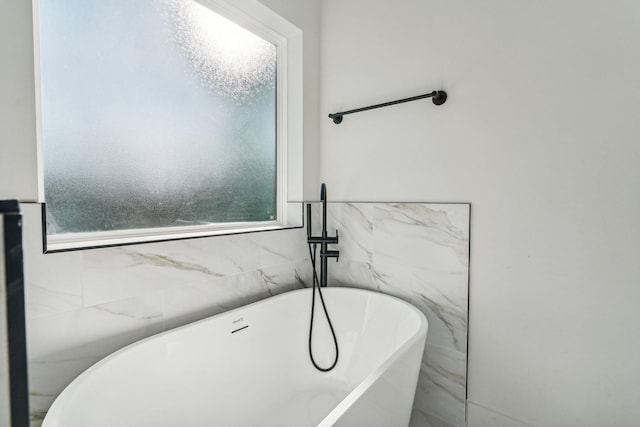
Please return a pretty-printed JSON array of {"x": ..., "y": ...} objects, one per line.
[
  {"x": 443, "y": 298},
  {"x": 354, "y": 222},
  {"x": 304, "y": 272},
  {"x": 388, "y": 279},
  {"x": 281, "y": 246},
  {"x": 354, "y": 274},
  {"x": 417, "y": 252},
  {"x": 47, "y": 379},
  {"x": 62, "y": 346},
  {"x": 421, "y": 236},
  {"x": 441, "y": 390},
  {"x": 222, "y": 255},
  {"x": 116, "y": 273},
  {"x": 197, "y": 300},
  {"x": 283, "y": 277},
  {"x": 94, "y": 331},
  {"x": 52, "y": 298}
]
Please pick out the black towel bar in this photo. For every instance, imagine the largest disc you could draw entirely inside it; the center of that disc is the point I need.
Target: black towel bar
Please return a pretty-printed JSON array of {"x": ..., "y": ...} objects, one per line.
[{"x": 439, "y": 97}]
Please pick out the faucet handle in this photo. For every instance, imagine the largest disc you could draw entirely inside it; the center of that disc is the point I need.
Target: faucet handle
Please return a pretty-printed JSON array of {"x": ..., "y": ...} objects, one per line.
[
  {"x": 332, "y": 240},
  {"x": 331, "y": 254}
]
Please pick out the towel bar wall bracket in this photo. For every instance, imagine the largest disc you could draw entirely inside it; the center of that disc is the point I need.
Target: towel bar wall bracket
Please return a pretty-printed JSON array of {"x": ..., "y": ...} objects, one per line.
[{"x": 437, "y": 96}]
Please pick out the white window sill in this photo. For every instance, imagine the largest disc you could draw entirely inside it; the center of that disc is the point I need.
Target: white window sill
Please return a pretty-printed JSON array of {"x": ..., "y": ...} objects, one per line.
[{"x": 77, "y": 241}]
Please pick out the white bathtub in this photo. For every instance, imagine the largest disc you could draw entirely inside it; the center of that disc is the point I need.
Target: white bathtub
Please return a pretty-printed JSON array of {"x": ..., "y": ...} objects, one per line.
[{"x": 250, "y": 367}]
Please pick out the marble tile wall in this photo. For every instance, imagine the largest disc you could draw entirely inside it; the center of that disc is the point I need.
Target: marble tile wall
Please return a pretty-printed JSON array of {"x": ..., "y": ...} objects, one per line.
[
  {"x": 420, "y": 253},
  {"x": 83, "y": 305}
]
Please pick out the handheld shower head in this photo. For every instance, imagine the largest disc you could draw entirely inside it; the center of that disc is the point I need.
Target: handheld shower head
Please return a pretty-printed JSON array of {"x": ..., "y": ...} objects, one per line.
[
  {"x": 323, "y": 199},
  {"x": 308, "y": 221}
]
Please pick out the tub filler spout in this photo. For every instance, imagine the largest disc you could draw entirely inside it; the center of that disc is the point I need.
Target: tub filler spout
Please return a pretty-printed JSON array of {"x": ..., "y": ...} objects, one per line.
[{"x": 324, "y": 240}]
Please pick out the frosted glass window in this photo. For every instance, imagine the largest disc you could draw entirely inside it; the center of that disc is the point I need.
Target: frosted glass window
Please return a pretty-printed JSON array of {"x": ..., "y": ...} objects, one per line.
[{"x": 155, "y": 113}]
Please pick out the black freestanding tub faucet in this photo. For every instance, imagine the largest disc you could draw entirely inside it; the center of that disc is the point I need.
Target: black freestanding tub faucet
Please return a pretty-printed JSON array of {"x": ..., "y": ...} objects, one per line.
[{"x": 324, "y": 240}]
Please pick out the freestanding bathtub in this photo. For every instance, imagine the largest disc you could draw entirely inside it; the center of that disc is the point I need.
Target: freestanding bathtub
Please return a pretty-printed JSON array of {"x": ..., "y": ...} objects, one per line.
[{"x": 251, "y": 367}]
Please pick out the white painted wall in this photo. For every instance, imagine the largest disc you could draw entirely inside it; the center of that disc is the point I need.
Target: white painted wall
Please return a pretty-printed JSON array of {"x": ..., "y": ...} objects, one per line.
[
  {"x": 541, "y": 133},
  {"x": 18, "y": 151},
  {"x": 306, "y": 15},
  {"x": 18, "y": 143}
]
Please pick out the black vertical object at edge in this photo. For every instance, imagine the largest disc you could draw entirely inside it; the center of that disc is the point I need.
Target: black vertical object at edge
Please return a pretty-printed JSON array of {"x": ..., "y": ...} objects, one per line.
[
  {"x": 16, "y": 330},
  {"x": 43, "y": 220}
]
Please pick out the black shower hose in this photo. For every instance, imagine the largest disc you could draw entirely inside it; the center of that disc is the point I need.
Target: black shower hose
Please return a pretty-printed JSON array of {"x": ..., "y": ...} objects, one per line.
[{"x": 316, "y": 284}]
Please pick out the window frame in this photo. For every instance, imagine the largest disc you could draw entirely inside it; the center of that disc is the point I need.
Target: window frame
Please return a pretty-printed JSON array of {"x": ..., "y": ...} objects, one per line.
[{"x": 265, "y": 23}]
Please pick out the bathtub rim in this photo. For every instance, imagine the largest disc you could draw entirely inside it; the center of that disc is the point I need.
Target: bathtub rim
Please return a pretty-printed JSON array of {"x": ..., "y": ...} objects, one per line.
[
  {"x": 419, "y": 335},
  {"x": 53, "y": 413}
]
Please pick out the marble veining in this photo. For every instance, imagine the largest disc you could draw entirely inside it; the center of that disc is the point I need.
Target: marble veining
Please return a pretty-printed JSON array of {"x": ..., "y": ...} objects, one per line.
[
  {"x": 63, "y": 346},
  {"x": 117, "y": 273},
  {"x": 441, "y": 390},
  {"x": 418, "y": 252},
  {"x": 167, "y": 262},
  {"x": 280, "y": 247},
  {"x": 43, "y": 301},
  {"x": 281, "y": 278},
  {"x": 355, "y": 224},
  {"x": 423, "y": 237},
  {"x": 449, "y": 319}
]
